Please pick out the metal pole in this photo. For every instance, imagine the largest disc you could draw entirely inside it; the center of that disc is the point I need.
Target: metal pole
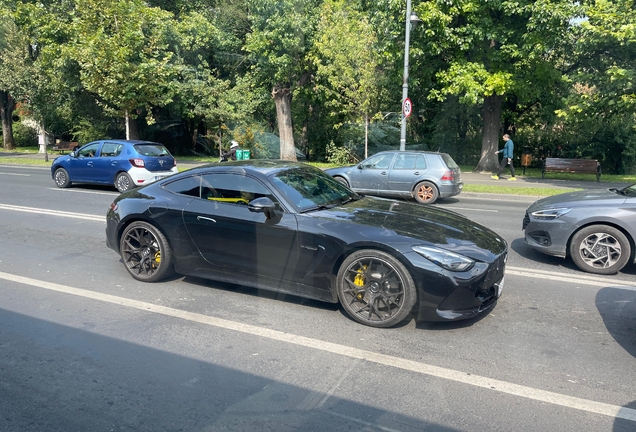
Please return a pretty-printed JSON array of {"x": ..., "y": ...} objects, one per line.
[{"x": 405, "y": 83}]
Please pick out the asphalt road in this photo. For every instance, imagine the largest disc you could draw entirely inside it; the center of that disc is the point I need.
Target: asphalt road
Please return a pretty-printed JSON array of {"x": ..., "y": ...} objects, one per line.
[{"x": 85, "y": 347}]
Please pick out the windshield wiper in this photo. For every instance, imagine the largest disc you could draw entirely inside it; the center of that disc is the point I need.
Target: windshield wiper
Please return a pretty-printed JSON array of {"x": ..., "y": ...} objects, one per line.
[
  {"x": 319, "y": 207},
  {"x": 349, "y": 199}
]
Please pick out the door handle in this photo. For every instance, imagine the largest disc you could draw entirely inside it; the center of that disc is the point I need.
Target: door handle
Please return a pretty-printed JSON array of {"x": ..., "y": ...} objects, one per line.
[
  {"x": 90, "y": 164},
  {"x": 383, "y": 173},
  {"x": 416, "y": 173},
  {"x": 113, "y": 163},
  {"x": 203, "y": 218}
]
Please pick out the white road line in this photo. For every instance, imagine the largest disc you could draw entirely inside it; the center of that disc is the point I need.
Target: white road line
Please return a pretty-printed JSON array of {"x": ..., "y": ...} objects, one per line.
[
  {"x": 472, "y": 209},
  {"x": 25, "y": 167},
  {"x": 85, "y": 191},
  {"x": 47, "y": 212},
  {"x": 15, "y": 174},
  {"x": 595, "y": 281},
  {"x": 489, "y": 384}
]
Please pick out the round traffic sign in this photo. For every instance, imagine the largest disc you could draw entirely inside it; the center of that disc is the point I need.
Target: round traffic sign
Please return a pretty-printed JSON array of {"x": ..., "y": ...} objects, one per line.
[{"x": 407, "y": 107}]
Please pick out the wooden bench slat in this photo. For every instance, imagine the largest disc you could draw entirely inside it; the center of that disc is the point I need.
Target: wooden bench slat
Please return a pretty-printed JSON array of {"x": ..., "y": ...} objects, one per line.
[{"x": 583, "y": 166}]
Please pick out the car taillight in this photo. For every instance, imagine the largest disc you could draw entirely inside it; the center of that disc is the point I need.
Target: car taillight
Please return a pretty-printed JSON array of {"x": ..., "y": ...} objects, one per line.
[
  {"x": 139, "y": 163},
  {"x": 175, "y": 162},
  {"x": 448, "y": 175}
]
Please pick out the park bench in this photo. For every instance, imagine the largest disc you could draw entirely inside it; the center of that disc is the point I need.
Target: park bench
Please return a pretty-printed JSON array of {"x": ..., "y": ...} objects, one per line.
[
  {"x": 65, "y": 146},
  {"x": 578, "y": 166}
]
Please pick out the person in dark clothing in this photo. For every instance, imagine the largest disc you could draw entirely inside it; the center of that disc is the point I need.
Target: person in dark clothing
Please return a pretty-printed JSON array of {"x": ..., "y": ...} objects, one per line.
[
  {"x": 507, "y": 158},
  {"x": 230, "y": 155}
]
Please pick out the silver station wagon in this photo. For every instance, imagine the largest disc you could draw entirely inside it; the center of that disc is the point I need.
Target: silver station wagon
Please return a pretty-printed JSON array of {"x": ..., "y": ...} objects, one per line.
[{"x": 425, "y": 176}]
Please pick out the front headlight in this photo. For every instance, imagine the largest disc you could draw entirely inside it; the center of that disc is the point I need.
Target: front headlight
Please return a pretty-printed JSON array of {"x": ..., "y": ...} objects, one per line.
[
  {"x": 445, "y": 259},
  {"x": 550, "y": 214}
]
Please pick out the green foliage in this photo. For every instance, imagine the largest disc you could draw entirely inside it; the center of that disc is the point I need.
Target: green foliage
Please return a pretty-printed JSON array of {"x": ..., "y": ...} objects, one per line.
[
  {"x": 341, "y": 155},
  {"x": 24, "y": 136}
]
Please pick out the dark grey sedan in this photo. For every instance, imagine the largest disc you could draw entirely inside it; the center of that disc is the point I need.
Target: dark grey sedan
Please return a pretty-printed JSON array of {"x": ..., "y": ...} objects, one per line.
[
  {"x": 597, "y": 229},
  {"x": 425, "y": 176}
]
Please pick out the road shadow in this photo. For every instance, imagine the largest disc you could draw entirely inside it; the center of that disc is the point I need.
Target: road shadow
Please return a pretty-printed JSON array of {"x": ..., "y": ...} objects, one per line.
[
  {"x": 617, "y": 307},
  {"x": 61, "y": 378}
]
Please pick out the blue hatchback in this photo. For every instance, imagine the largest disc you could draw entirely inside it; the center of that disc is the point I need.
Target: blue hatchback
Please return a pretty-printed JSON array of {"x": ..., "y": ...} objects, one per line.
[{"x": 122, "y": 163}]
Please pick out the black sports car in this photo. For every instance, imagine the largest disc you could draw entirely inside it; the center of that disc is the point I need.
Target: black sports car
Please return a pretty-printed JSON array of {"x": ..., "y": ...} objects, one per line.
[{"x": 289, "y": 227}]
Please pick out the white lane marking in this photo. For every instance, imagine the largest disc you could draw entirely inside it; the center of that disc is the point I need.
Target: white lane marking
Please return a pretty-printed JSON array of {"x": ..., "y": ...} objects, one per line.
[
  {"x": 15, "y": 174},
  {"x": 25, "y": 167},
  {"x": 491, "y": 384},
  {"x": 472, "y": 209},
  {"x": 85, "y": 191},
  {"x": 53, "y": 213},
  {"x": 595, "y": 281}
]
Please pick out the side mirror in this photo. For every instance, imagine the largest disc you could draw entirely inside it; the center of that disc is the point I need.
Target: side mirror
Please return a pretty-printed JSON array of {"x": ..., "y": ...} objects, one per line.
[
  {"x": 360, "y": 166},
  {"x": 263, "y": 205},
  {"x": 72, "y": 154}
]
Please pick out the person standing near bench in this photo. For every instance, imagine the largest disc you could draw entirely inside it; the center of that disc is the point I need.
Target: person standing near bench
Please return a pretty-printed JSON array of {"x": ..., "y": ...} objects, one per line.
[{"x": 507, "y": 158}]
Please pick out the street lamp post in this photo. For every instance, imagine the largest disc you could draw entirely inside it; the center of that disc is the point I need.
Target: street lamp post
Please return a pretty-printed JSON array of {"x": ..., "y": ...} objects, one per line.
[{"x": 411, "y": 21}]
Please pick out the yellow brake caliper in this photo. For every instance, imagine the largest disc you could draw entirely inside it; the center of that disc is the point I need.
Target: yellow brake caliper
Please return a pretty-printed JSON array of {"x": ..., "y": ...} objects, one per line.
[
  {"x": 157, "y": 259},
  {"x": 359, "y": 280}
]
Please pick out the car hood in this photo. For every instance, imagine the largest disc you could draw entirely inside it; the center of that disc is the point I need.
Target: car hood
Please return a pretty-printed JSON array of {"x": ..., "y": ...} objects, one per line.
[
  {"x": 589, "y": 198},
  {"x": 425, "y": 224}
]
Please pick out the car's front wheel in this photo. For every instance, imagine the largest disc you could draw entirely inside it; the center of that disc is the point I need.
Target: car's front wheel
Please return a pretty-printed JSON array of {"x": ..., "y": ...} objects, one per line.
[
  {"x": 342, "y": 180},
  {"x": 375, "y": 289},
  {"x": 426, "y": 192},
  {"x": 123, "y": 182},
  {"x": 145, "y": 252},
  {"x": 600, "y": 249},
  {"x": 61, "y": 178}
]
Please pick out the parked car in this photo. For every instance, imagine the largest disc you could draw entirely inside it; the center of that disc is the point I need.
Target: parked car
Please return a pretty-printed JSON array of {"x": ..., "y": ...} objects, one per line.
[
  {"x": 597, "y": 229},
  {"x": 425, "y": 176},
  {"x": 122, "y": 163},
  {"x": 288, "y": 227}
]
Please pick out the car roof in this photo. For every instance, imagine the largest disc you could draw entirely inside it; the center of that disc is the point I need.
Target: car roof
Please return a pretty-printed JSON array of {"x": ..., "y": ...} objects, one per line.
[
  {"x": 263, "y": 166},
  {"x": 408, "y": 151},
  {"x": 124, "y": 141}
]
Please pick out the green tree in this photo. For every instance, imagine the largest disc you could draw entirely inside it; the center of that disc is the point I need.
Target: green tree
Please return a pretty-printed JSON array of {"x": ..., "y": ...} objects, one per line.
[
  {"x": 495, "y": 50},
  {"x": 125, "y": 57},
  {"x": 278, "y": 46},
  {"x": 348, "y": 62}
]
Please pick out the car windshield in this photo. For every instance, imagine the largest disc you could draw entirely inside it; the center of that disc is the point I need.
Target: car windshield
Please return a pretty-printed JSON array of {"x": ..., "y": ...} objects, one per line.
[
  {"x": 152, "y": 150},
  {"x": 629, "y": 191},
  {"x": 309, "y": 189}
]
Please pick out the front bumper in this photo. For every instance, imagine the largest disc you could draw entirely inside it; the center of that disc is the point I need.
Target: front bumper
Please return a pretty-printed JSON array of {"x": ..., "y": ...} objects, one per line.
[
  {"x": 446, "y": 295},
  {"x": 547, "y": 236}
]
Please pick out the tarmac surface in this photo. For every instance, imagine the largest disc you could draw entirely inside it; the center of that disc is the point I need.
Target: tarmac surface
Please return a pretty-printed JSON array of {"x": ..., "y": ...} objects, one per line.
[{"x": 468, "y": 178}]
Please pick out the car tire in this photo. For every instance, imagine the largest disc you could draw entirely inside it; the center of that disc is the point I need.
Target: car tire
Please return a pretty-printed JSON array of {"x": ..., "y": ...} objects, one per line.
[
  {"x": 123, "y": 182},
  {"x": 62, "y": 180},
  {"x": 375, "y": 288},
  {"x": 342, "y": 180},
  {"x": 426, "y": 193},
  {"x": 600, "y": 249},
  {"x": 145, "y": 252}
]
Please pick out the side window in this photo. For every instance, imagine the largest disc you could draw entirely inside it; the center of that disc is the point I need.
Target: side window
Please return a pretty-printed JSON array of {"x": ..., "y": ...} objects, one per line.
[
  {"x": 233, "y": 189},
  {"x": 88, "y": 150},
  {"x": 190, "y": 186},
  {"x": 420, "y": 164},
  {"x": 405, "y": 161},
  {"x": 381, "y": 161},
  {"x": 110, "y": 149}
]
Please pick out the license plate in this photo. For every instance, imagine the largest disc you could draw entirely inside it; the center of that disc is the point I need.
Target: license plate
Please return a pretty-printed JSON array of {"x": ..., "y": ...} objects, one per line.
[{"x": 499, "y": 287}]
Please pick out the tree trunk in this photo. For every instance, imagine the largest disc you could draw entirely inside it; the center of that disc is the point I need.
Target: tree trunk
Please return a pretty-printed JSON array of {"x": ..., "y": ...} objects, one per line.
[
  {"x": 7, "y": 105},
  {"x": 489, "y": 161},
  {"x": 132, "y": 132},
  {"x": 282, "y": 99}
]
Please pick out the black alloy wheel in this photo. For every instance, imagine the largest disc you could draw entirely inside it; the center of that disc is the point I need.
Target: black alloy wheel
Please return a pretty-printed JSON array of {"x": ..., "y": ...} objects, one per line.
[
  {"x": 375, "y": 288},
  {"x": 600, "y": 249},
  {"x": 123, "y": 182},
  {"x": 426, "y": 193},
  {"x": 145, "y": 252},
  {"x": 61, "y": 177}
]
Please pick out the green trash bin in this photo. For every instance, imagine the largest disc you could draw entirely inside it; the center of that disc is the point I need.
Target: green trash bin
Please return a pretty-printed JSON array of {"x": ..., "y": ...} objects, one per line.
[
  {"x": 239, "y": 154},
  {"x": 246, "y": 154}
]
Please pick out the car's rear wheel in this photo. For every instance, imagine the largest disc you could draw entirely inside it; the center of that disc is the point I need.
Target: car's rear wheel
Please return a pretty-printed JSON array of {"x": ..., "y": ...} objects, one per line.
[
  {"x": 342, "y": 180},
  {"x": 426, "y": 192},
  {"x": 145, "y": 252},
  {"x": 375, "y": 288},
  {"x": 600, "y": 249},
  {"x": 123, "y": 182},
  {"x": 61, "y": 178}
]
